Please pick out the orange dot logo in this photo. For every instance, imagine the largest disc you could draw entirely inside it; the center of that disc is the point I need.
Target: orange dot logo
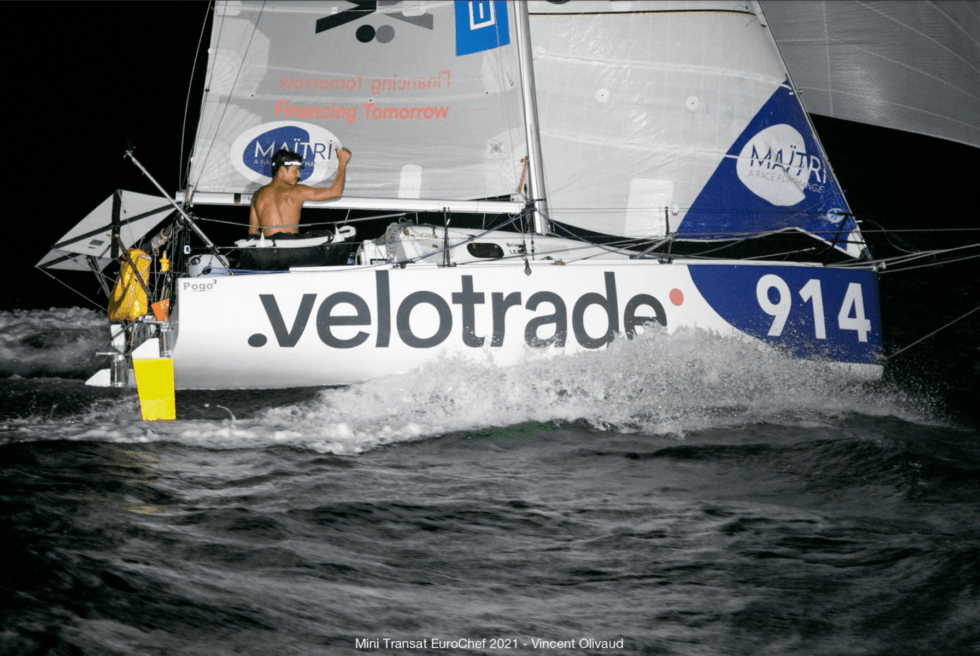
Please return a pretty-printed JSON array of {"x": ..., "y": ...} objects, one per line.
[{"x": 676, "y": 296}]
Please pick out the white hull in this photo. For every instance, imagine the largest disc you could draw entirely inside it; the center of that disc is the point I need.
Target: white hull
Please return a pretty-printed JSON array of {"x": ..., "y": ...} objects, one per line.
[{"x": 340, "y": 325}]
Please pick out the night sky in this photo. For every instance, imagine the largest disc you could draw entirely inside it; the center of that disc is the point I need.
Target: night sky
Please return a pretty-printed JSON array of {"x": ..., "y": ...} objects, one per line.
[
  {"x": 88, "y": 76},
  {"x": 91, "y": 75}
]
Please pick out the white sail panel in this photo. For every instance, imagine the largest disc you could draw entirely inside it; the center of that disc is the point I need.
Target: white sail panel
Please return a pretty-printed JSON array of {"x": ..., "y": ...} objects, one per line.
[
  {"x": 683, "y": 106},
  {"x": 92, "y": 236},
  {"x": 425, "y": 95},
  {"x": 912, "y": 66}
]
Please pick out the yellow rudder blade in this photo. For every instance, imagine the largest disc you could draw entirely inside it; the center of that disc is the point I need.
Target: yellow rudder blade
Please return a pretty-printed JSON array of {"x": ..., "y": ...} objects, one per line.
[{"x": 155, "y": 384}]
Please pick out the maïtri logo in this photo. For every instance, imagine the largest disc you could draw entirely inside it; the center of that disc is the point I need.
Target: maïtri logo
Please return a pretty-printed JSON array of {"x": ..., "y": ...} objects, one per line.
[
  {"x": 775, "y": 166},
  {"x": 252, "y": 151}
]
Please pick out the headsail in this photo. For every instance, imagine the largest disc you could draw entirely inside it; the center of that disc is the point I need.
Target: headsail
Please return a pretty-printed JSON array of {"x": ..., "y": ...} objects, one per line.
[
  {"x": 678, "y": 105},
  {"x": 425, "y": 94},
  {"x": 92, "y": 236},
  {"x": 912, "y": 66}
]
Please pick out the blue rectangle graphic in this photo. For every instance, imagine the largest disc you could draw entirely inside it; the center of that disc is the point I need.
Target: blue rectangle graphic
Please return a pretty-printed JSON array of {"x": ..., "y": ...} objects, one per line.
[
  {"x": 810, "y": 311},
  {"x": 481, "y": 25}
]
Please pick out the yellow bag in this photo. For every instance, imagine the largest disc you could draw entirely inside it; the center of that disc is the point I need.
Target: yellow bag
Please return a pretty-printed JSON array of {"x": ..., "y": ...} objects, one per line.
[{"x": 128, "y": 301}]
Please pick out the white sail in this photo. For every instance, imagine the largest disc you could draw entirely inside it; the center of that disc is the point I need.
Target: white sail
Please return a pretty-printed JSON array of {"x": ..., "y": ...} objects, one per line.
[
  {"x": 92, "y": 236},
  {"x": 912, "y": 66},
  {"x": 425, "y": 94},
  {"x": 677, "y": 113}
]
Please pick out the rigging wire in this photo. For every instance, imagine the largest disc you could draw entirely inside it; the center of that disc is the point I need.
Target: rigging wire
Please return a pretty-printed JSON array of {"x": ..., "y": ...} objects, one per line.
[
  {"x": 903, "y": 246},
  {"x": 701, "y": 254},
  {"x": 59, "y": 281},
  {"x": 238, "y": 74},
  {"x": 799, "y": 250},
  {"x": 190, "y": 86},
  {"x": 305, "y": 225},
  {"x": 591, "y": 244},
  {"x": 442, "y": 250},
  {"x": 922, "y": 339},
  {"x": 924, "y": 266},
  {"x": 930, "y": 230},
  {"x": 907, "y": 258}
]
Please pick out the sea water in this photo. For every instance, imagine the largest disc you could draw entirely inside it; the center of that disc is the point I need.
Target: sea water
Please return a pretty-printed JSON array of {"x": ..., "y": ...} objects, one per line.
[{"x": 671, "y": 494}]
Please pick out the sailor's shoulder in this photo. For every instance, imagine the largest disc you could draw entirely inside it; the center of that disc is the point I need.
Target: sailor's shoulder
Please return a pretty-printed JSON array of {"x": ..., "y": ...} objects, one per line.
[
  {"x": 261, "y": 193},
  {"x": 304, "y": 191}
]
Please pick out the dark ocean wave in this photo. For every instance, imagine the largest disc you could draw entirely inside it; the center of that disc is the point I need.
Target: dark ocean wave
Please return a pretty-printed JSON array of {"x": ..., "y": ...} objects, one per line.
[
  {"x": 683, "y": 494},
  {"x": 932, "y": 463},
  {"x": 60, "y": 342},
  {"x": 726, "y": 542}
]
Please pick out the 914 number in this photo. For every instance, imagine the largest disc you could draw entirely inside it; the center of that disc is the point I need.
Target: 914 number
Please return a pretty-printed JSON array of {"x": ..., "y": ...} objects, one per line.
[{"x": 850, "y": 317}]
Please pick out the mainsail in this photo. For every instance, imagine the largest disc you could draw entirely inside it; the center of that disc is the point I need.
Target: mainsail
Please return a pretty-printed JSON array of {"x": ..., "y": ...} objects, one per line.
[
  {"x": 677, "y": 115},
  {"x": 425, "y": 94}
]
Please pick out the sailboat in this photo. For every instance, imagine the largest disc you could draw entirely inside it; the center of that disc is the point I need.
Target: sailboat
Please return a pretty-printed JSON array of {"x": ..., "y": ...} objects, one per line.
[{"x": 563, "y": 174}]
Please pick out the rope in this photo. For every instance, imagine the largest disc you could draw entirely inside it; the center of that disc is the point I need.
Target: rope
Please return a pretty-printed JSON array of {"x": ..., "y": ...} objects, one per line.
[
  {"x": 187, "y": 105},
  {"x": 400, "y": 262},
  {"x": 202, "y": 219},
  {"x": 902, "y": 259},
  {"x": 60, "y": 282},
  {"x": 457, "y": 244},
  {"x": 924, "y": 266},
  {"x": 227, "y": 104},
  {"x": 585, "y": 241},
  {"x": 520, "y": 185},
  {"x": 931, "y": 334}
]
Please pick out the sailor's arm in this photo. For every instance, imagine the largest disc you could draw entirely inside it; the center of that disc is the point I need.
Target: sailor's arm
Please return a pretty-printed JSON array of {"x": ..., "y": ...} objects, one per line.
[{"x": 337, "y": 188}]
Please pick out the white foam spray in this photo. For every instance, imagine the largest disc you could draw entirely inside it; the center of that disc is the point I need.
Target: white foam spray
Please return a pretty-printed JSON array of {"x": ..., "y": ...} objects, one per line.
[{"x": 654, "y": 384}]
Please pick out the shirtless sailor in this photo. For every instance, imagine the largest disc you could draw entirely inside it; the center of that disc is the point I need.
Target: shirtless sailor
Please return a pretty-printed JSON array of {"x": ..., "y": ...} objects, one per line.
[{"x": 276, "y": 206}]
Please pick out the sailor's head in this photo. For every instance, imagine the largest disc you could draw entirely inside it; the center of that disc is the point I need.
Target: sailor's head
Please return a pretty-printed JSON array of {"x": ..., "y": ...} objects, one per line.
[{"x": 289, "y": 162}]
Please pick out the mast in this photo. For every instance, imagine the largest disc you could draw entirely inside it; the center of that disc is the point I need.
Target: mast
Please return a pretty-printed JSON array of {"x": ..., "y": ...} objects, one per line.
[{"x": 535, "y": 172}]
